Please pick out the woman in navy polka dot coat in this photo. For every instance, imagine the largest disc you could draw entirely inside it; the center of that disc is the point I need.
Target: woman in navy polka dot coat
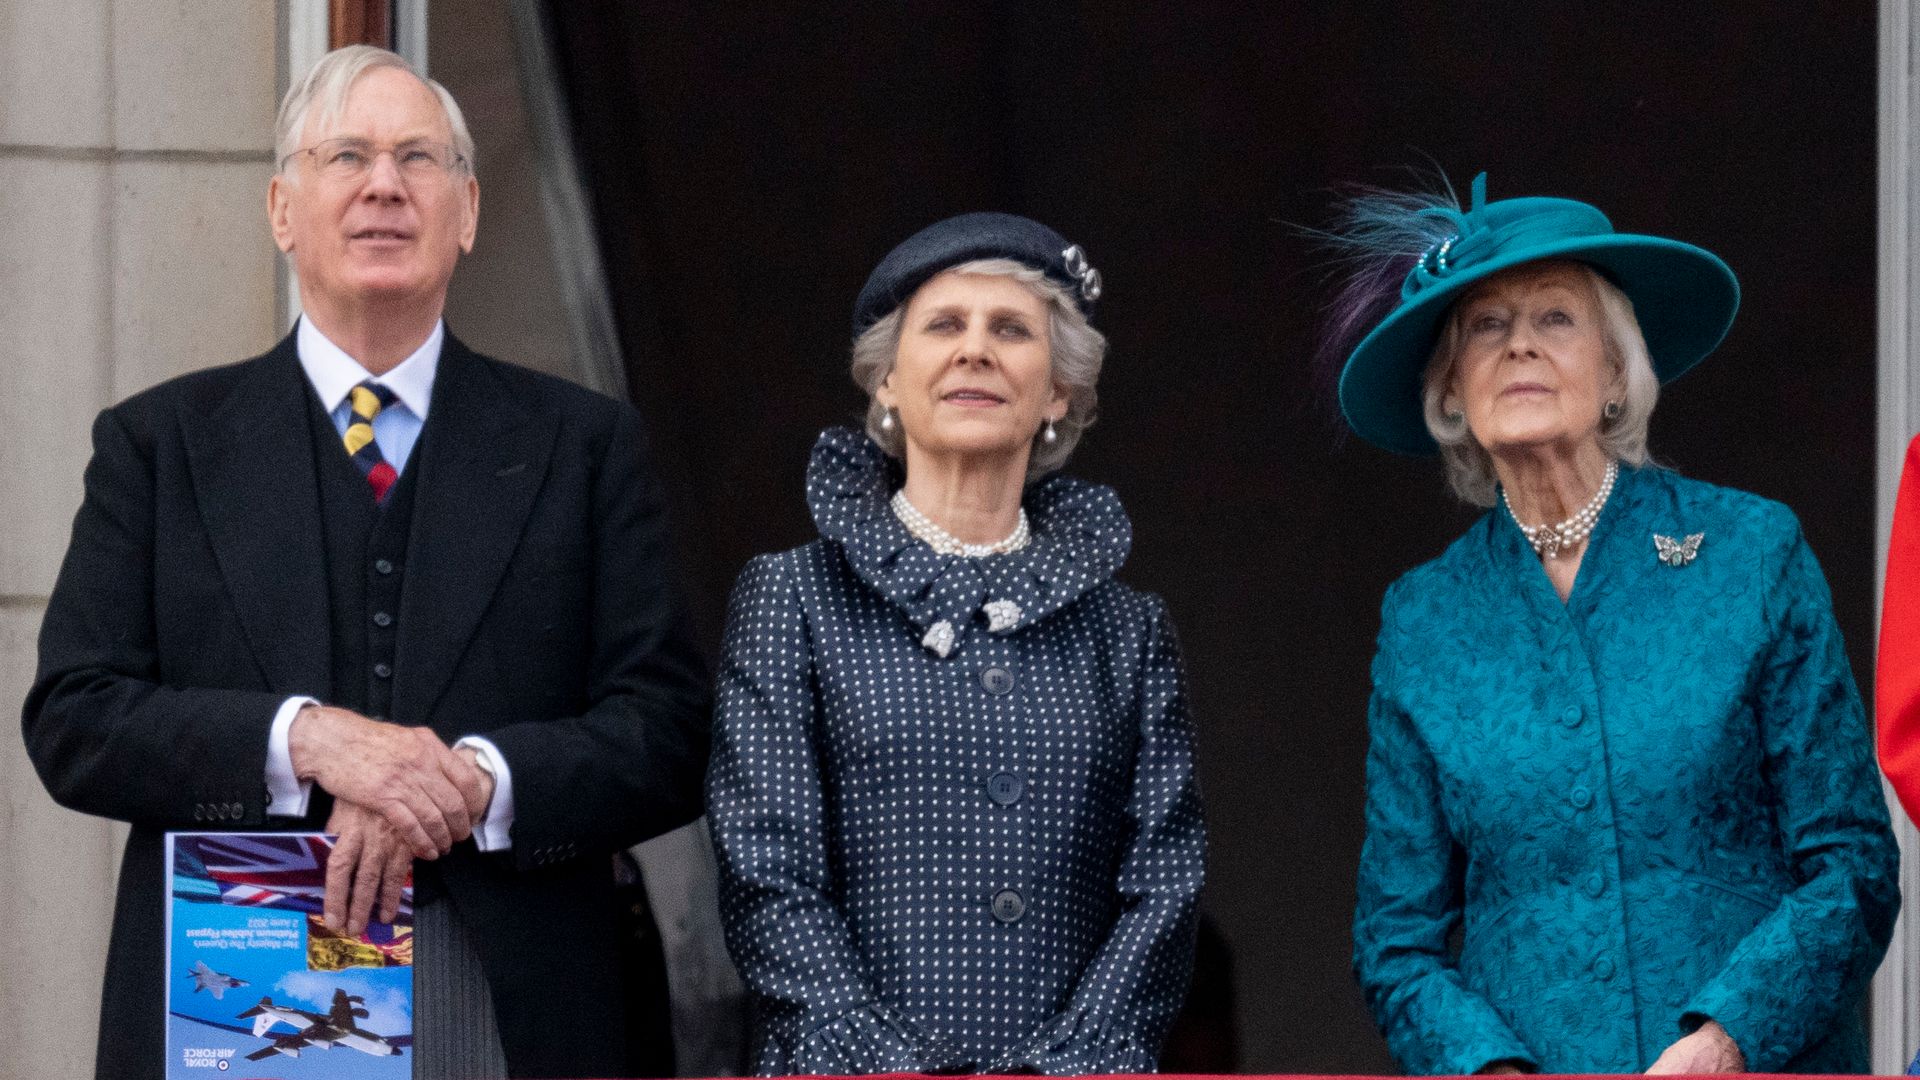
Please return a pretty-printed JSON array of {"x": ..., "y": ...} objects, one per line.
[{"x": 952, "y": 787}]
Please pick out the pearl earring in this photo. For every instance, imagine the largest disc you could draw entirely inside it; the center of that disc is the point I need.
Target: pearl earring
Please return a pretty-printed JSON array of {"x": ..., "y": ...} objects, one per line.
[
  {"x": 1049, "y": 436},
  {"x": 886, "y": 420}
]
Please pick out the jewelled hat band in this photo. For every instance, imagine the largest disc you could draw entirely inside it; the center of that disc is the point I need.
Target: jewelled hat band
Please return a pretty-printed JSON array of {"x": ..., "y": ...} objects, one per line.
[{"x": 1470, "y": 247}]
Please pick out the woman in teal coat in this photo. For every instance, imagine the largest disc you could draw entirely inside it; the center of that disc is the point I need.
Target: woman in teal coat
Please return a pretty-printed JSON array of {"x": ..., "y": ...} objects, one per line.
[{"x": 1615, "y": 743}]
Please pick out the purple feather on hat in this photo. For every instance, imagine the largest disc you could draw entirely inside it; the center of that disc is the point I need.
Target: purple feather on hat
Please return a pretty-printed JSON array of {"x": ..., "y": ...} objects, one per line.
[{"x": 1374, "y": 239}]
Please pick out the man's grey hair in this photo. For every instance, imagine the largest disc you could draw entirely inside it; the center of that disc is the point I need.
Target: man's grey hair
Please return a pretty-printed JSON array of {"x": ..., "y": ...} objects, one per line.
[
  {"x": 322, "y": 94},
  {"x": 1078, "y": 351},
  {"x": 1469, "y": 466}
]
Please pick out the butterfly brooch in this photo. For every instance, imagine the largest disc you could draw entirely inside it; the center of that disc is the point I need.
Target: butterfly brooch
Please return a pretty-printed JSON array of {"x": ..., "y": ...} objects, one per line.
[{"x": 1677, "y": 552}]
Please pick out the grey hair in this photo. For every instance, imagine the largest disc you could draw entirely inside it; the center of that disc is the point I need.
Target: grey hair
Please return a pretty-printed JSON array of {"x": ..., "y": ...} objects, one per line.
[
  {"x": 1078, "y": 350},
  {"x": 322, "y": 94},
  {"x": 1469, "y": 466}
]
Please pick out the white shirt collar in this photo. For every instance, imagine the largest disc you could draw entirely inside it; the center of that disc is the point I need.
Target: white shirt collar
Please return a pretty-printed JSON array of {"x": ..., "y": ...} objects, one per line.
[{"x": 332, "y": 372}]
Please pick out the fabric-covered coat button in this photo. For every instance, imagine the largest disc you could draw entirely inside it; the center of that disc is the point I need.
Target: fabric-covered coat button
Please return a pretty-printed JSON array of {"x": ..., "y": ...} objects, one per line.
[
  {"x": 1006, "y": 788},
  {"x": 1580, "y": 797},
  {"x": 1572, "y": 715},
  {"x": 997, "y": 680},
  {"x": 1603, "y": 968},
  {"x": 1008, "y": 906},
  {"x": 383, "y": 671},
  {"x": 381, "y": 618},
  {"x": 382, "y": 566},
  {"x": 1596, "y": 884}
]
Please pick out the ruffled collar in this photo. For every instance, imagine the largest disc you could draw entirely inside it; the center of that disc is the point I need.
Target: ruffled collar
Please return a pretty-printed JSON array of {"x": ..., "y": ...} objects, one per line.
[{"x": 1080, "y": 537}]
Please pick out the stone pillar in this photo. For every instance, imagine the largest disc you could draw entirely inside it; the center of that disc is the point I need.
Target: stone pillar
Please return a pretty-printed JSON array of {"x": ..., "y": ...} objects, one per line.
[
  {"x": 1896, "y": 989},
  {"x": 135, "y": 146}
]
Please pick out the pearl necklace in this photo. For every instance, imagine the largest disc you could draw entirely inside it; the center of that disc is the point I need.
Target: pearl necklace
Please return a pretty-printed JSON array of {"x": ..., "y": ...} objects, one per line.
[
  {"x": 945, "y": 543},
  {"x": 1550, "y": 540}
]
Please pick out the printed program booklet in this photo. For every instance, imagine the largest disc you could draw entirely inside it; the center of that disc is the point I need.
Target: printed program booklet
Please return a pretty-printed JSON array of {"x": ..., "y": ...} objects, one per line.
[{"x": 258, "y": 986}]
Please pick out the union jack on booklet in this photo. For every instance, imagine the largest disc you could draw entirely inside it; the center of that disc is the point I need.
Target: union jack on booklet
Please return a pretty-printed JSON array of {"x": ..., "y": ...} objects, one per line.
[{"x": 259, "y": 986}]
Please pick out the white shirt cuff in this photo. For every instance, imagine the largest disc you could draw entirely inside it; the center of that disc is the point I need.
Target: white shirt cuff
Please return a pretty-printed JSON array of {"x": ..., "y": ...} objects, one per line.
[
  {"x": 492, "y": 832},
  {"x": 287, "y": 794}
]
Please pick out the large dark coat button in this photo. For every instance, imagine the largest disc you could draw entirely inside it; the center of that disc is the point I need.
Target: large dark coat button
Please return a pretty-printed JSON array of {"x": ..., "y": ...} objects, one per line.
[
  {"x": 381, "y": 618},
  {"x": 997, "y": 680},
  {"x": 383, "y": 566},
  {"x": 383, "y": 671},
  {"x": 1005, "y": 788},
  {"x": 1008, "y": 906}
]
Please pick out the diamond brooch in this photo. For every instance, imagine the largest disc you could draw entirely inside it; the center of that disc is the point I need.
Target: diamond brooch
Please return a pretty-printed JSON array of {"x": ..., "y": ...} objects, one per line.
[
  {"x": 939, "y": 638},
  {"x": 1002, "y": 615},
  {"x": 1677, "y": 552}
]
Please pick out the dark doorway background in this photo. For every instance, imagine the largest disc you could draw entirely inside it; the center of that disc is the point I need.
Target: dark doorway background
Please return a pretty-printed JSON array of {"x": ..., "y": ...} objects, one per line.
[{"x": 749, "y": 164}]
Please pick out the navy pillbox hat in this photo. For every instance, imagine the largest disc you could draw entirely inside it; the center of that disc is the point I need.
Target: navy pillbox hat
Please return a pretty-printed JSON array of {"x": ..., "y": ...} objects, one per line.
[{"x": 987, "y": 235}]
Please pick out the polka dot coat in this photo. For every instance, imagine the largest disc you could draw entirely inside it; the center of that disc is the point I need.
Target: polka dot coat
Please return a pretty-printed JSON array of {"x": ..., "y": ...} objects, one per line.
[{"x": 975, "y": 847}]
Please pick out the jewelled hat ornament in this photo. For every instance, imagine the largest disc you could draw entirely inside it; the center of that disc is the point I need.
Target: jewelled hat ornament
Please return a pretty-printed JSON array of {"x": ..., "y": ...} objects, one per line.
[{"x": 1683, "y": 296}]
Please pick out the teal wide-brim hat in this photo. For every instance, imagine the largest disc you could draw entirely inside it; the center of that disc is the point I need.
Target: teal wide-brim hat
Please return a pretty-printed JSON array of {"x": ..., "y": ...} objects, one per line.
[{"x": 1684, "y": 297}]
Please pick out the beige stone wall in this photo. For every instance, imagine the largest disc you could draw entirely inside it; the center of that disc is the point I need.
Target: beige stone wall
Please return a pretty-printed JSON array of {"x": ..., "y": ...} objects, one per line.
[{"x": 134, "y": 155}]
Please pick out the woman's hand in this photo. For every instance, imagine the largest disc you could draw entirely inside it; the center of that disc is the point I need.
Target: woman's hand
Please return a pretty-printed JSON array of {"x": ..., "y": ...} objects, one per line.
[{"x": 1708, "y": 1050}]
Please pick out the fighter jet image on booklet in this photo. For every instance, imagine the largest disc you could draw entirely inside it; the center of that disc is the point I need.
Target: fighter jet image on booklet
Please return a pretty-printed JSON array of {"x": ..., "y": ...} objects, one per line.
[
  {"x": 219, "y": 982},
  {"x": 334, "y": 1028}
]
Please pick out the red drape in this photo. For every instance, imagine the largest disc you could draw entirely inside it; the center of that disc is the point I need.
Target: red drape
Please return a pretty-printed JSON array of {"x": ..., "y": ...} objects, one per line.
[{"x": 1896, "y": 683}]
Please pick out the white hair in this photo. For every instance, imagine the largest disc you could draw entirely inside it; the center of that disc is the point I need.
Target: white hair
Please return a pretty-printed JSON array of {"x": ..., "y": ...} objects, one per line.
[
  {"x": 1623, "y": 437},
  {"x": 1077, "y": 352},
  {"x": 323, "y": 94}
]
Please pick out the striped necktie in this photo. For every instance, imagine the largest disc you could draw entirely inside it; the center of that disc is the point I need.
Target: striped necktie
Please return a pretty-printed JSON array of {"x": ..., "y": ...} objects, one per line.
[{"x": 366, "y": 401}]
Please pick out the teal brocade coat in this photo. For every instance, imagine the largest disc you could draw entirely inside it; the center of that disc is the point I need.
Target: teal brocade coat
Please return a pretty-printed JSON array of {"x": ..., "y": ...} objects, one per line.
[{"x": 1650, "y": 806}]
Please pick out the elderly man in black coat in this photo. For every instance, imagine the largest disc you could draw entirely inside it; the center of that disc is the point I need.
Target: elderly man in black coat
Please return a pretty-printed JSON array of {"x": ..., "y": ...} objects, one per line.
[{"x": 376, "y": 583}]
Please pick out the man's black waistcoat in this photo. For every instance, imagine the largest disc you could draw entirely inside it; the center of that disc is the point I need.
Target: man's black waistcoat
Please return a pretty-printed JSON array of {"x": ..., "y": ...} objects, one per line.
[{"x": 366, "y": 560}]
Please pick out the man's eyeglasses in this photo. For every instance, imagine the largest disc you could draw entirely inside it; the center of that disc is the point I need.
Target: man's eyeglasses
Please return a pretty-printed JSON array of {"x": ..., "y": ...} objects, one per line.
[{"x": 352, "y": 159}]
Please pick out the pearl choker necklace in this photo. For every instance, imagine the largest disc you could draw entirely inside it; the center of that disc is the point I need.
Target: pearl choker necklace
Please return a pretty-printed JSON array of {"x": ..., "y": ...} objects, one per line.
[
  {"x": 945, "y": 543},
  {"x": 1550, "y": 540}
]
